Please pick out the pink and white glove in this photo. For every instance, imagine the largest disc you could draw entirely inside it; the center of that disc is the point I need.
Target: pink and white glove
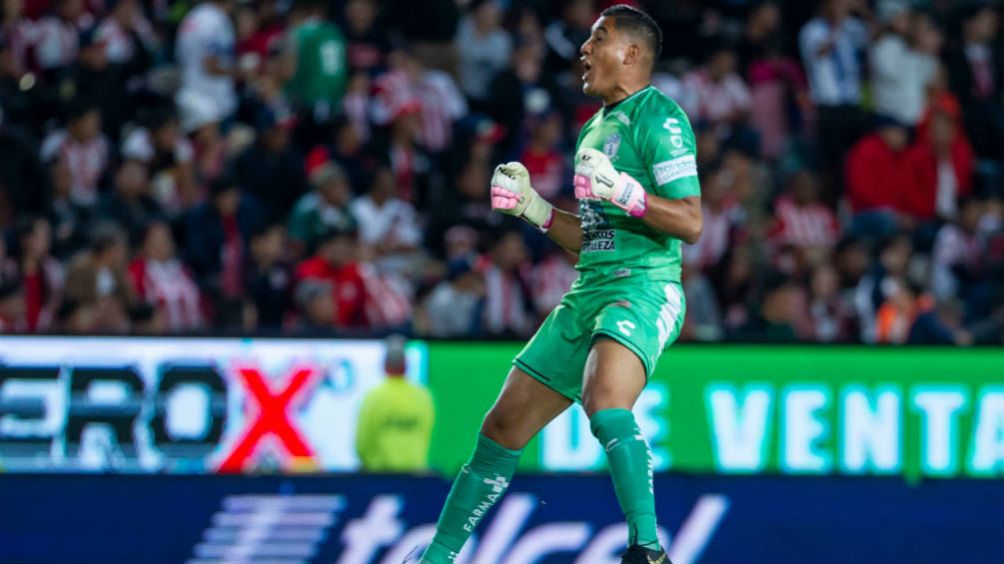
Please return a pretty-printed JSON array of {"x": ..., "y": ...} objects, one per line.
[
  {"x": 513, "y": 195},
  {"x": 596, "y": 179}
]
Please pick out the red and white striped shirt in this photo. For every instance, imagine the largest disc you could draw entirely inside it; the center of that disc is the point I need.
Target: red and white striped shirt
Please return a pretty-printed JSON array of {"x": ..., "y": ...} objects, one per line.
[
  {"x": 170, "y": 288},
  {"x": 812, "y": 225},
  {"x": 57, "y": 41},
  {"x": 552, "y": 279},
  {"x": 86, "y": 161},
  {"x": 388, "y": 298},
  {"x": 505, "y": 309}
]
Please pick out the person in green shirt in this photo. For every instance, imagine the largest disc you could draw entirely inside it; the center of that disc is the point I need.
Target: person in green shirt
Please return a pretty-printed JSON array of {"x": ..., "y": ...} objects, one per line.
[
  {"x": 395, "y": 421},
  {"x": 639, "y": 200},
  {"x": 316, "y": 58}
]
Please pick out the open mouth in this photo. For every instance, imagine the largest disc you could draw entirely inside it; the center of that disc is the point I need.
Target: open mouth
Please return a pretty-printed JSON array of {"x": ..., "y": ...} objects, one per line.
[{"x": 587, "y": 66}]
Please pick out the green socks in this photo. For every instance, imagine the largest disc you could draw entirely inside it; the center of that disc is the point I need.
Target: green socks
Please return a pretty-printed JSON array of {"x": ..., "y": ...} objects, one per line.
[
  {"x": 631, "y": 469},
  {"x": 481, "y": 482}
]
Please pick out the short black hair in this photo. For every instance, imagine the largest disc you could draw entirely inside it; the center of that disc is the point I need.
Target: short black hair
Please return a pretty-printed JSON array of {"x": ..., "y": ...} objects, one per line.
[{"x": 639, "y": 24}]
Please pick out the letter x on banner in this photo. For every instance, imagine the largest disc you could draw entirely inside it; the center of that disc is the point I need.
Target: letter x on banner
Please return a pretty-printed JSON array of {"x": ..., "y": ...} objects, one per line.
[{"x": 270, "y": 410}]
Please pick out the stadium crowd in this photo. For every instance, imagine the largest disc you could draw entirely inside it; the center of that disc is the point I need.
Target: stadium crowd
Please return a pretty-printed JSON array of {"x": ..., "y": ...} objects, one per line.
[{"x": 322, "y": 167}]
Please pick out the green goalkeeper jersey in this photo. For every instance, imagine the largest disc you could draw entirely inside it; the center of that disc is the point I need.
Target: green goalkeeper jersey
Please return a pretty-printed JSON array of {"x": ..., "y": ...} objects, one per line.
[{"x": 649, "y": 137}]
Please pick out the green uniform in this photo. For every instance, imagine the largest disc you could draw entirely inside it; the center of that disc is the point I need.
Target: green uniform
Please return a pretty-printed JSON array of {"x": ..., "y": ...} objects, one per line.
[
  {"x": 321, "y": 67},
  {"x": 629, "y": 274},
  {"x": 395, "y": 427}
]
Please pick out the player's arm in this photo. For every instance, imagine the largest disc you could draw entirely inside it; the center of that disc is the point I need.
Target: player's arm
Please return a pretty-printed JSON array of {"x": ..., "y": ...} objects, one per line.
[
  {"x": 512, "y": 195},
  {"x": 680, "y": 218}
]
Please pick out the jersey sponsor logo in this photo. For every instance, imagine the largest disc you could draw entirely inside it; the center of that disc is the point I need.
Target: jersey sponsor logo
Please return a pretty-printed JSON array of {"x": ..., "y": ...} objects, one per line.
[
  {"x": 591, "y": 215},
  {"x": 611, "y": 145},
  {"x": 672, "y": 125},
  {"x": 676, "y": 141},
  {"x": 679, "y": 151},
  {"x": 602, "y": 240},
  {"x": 626, "y": 327},
  {"x": 673, "y": 169}
]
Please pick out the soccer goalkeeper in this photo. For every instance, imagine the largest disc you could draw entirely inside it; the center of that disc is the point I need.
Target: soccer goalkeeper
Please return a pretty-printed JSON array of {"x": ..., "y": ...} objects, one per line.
[{"x": 639, "y": 197}]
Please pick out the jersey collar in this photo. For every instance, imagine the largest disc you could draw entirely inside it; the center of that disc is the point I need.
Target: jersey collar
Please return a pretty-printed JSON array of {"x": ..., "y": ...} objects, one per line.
[{"x": 611, "y": 107}]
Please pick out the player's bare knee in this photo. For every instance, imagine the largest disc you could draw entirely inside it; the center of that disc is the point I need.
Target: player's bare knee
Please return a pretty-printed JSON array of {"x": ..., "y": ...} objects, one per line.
[{"x": 504, "y": 429}]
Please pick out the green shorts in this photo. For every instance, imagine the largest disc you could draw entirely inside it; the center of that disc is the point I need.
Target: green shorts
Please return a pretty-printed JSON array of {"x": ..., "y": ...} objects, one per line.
[{"x": 643, "y": 315}]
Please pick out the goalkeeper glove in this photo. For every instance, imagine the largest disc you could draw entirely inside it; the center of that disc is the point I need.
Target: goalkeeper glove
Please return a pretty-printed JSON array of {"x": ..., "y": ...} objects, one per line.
[
  {"x": 513, "y": 195},
  {"x": 596, "y": 179}
]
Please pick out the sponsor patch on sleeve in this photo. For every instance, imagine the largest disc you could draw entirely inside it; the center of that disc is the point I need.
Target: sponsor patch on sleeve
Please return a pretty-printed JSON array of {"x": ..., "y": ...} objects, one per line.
[{"x": 673, "y": 169}]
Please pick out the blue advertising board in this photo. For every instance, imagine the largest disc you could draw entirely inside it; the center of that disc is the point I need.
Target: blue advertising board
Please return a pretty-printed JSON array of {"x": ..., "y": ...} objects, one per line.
[{"x": 542, "y": 519}]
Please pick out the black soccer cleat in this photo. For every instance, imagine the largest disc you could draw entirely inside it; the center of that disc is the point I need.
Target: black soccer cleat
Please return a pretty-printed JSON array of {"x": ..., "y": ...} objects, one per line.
[{"x": 641, "y": 555}]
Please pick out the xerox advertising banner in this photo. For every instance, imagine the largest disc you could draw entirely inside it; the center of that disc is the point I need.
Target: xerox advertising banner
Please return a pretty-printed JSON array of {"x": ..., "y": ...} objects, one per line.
[
  {"x": 185, "y": 405},
  {"x": 251, "y": 405},
  {"x": 570, "y": 519}
]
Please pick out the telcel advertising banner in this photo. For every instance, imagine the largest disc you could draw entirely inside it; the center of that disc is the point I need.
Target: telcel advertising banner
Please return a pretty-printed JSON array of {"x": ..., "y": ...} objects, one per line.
[
  {"x": 911, "y": 412},
  {"x": 185, "y": 405}
]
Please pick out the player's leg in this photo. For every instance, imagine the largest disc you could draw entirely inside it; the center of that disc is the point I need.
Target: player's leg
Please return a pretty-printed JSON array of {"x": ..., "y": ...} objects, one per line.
[
  {"x": 614, "y": 378},
  {"x": 523, "y": 407}
]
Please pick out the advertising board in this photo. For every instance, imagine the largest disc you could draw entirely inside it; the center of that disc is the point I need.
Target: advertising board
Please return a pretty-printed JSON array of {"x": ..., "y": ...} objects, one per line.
[{"x": 570, "y": 519}]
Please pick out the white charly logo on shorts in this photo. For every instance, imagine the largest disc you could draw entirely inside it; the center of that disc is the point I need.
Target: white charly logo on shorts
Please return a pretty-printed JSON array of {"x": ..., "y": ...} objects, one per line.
[{"x": 625, "y": 327}]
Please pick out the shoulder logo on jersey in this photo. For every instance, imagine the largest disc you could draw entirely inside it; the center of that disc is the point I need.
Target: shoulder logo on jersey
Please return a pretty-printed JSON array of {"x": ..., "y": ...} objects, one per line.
[
  {"x": 672, "y": 125},
  {"x": 673, "y": 169},
  {"x": 622, "y": 117},
  {"x": 611, "y": 145}
]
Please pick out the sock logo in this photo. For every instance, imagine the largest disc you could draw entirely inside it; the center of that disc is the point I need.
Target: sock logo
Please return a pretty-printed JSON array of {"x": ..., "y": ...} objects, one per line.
[{"x": 498, "y": 485}]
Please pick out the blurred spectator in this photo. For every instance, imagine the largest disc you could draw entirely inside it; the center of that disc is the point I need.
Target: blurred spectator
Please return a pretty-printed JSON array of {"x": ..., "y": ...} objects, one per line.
[
  {"x": 316, "y": 304},
  {"x": 877, "y": 180},
  {"x": 317, "y": 52},
  {"x": 147, "y": 320},
  {"x": 126, "y": 31},
  {"x": 716, "y": 94},
  {"x": 56, "y": 36},
  {"x": 975, "y": 68},
  {"x": 18, "y": 87},
  {"x": 486, "y": 48},
  {"x": 408, "y": 85},
  {"x": 897, "y": 313},
  {"x": 388, "y": 227},
  {"x": 67, "y": 218},
  {"x": 507, "y": 298},
  {"x": 779, "y": 98},
  {"x": 83, "y": 149},
  {"x": 395, "y": 421},
  {"x": 773, "y": 318},
  {"x": 956, "y": 268},
  {"x": 130, "y": 204},
  {"x": 161, "y": 279},
  {"x": 98, "y": 277},
  {"x": 566, "y": 35},
  {"x": 520, "y": 93},
  {"x": 940, "y": 325},
  {"x": 827, "y": 314},
  {"x": 903, "y": 62},
  {"x": 18, "y": 34},
  {"x": 885, "y": 281},
  {"x": 12, "y": 308},
  {"x": 21, "y": 175},
  {"x": 205, "y": 51},
  {"x": 454, "y": 307},
  {"x": 323, "y": 209},
  {"x": 169, "y": 156},
  {"x": 76, "y": 318},
  {"x": 552, "y": 279},
  {"x": 801, "y": 219},
  {"x": 830, "y": 45},
  {"x": 368, "y": 41},
  {"x": 543, "y": 158},
  {"x": 723, "y": 218},
  {"x": 40, "y": 274},
  {"x": 216, "y": 235},
  {"x": 940, "y": 167},
  {"x": 335, "y": 262},
  {"x": 268, "y": 278},
  {"x": 271, "y": 169},
  {"x": 410, "y": 163}
]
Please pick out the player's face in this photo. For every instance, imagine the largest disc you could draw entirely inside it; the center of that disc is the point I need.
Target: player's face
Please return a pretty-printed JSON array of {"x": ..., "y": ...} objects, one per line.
[{"x": 602, "y": 55}]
